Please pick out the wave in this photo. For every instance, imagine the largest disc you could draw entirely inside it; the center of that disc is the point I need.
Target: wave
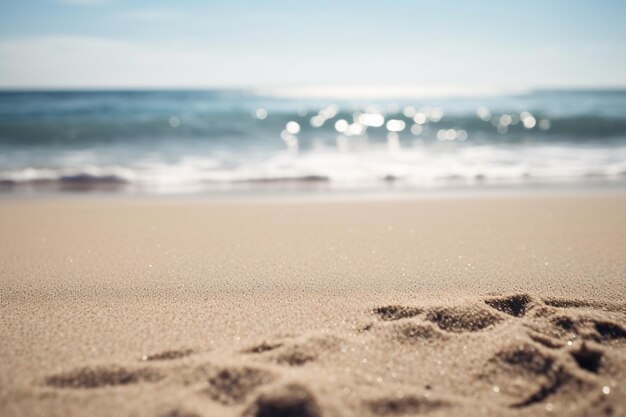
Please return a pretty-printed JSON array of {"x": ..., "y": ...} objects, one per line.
[
  {"x": 226, "y": 118},
  {"x": 372, "y": 168}
]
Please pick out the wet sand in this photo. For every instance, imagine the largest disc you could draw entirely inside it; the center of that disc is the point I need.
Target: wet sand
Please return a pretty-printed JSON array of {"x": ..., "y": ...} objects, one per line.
[{"x": 454, "y": 306}]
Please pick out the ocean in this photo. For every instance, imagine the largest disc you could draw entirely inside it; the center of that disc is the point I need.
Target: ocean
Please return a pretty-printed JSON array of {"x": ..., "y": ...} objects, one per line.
[{"x": 178, "y": 142}]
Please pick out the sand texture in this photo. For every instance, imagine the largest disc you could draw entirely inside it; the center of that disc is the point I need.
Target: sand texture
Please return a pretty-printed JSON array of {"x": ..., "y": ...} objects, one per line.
[{"x": 446, "y": 307}]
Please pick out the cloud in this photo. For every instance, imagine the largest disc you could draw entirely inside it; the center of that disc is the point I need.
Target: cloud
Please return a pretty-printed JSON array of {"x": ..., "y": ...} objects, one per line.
[
  {"x": 74, "y": 62},
  {"x": 68, "y": 61},
  {"x": 91, "y": 62},
  {"x": 77, "y": 61}
]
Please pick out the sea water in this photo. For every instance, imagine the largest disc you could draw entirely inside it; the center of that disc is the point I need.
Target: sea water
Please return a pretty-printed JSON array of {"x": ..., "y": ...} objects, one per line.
[{"x": 229, "y": 140}]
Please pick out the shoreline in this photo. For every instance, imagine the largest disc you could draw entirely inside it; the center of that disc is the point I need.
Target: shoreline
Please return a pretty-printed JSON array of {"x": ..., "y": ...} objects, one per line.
[{"x": 261, "y": 194}]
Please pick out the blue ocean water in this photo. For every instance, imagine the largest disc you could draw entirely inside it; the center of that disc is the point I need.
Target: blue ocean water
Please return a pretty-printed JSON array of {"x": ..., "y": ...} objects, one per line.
[{"x": 203, "y": 141}]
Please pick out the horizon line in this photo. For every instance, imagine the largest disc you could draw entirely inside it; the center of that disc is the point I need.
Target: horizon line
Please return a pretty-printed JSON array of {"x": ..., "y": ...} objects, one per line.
[{"x": 324, "y": 91}]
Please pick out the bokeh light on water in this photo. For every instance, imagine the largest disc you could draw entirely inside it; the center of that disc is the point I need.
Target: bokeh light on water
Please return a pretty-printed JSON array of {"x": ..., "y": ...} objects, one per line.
[{"x": 206, "y": 141}]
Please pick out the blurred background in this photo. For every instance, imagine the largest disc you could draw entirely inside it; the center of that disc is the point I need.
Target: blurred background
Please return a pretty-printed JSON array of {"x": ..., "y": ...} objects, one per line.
[{"x": 204, "y": 97}]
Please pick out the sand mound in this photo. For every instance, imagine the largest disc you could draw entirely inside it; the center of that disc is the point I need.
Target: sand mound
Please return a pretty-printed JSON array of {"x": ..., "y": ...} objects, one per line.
[
  {"x": 416, "y": 332},
  {"x": 469, "y": 318}
]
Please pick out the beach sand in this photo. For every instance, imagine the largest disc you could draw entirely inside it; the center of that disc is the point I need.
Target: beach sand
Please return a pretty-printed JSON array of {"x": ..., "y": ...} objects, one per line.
[{"x": 450, "y": 306}]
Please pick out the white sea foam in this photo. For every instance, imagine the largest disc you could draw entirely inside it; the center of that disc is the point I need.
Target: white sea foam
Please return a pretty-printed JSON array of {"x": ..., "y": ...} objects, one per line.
[{"x": 368, "y": 167}]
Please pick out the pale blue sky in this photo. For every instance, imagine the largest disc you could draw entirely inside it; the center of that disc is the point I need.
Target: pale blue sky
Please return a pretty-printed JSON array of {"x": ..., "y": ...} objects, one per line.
[{"x": 239, "y": 43}]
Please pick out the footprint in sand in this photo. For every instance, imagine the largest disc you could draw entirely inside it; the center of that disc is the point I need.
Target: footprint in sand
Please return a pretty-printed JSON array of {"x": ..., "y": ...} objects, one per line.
[
  {"x": 587, "y": 328},
  {"x": 168, "y": 355},
  {"x": 102, "y": 376},
  {"x": 263, "y": 347},
  {"x": 548, "y": 367},
  {"x": 407, "y": 405},
  {"x": 528, "y": 374},
  {"x": 454, "y": 319},
  {"x": 588, "y": 357},
  {"x": 232, "y": 385},
  {"x": 463, "y": 318},
  {"x": 396, "y": 312},
  {"x": 177, "y": 412},
  {"x": 514, "y": 305},
  {"x": 564, "y": 347},
  {"x": 296, "y": 352},
  {"x": 576, "y": 303},
  {"x": 288, "y": 400}
]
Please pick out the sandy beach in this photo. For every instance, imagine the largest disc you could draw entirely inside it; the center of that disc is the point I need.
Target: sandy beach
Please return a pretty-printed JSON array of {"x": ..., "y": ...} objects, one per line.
[{"x": 450, "y": 306}]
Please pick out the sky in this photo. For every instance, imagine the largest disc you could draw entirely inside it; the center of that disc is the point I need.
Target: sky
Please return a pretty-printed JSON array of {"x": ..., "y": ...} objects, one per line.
[{"x": 437, "y": 45}]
